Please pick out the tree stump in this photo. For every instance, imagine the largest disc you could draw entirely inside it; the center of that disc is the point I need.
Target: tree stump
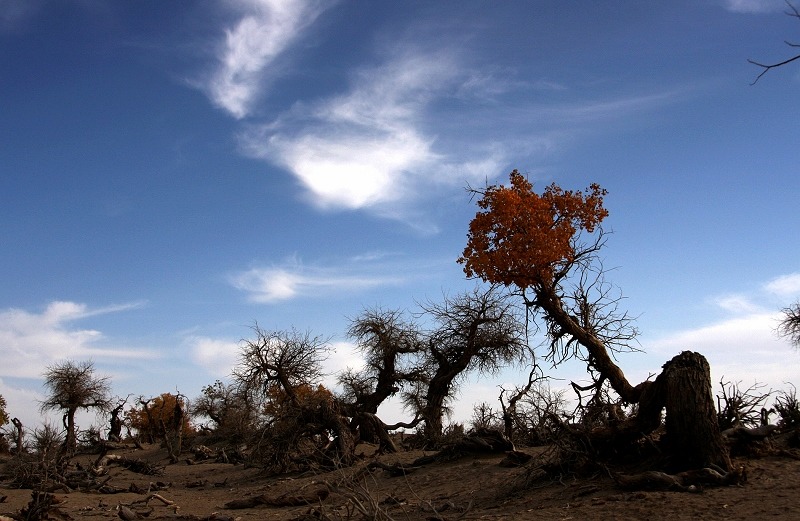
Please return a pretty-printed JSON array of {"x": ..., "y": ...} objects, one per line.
[{"x": 692, "y": 432}]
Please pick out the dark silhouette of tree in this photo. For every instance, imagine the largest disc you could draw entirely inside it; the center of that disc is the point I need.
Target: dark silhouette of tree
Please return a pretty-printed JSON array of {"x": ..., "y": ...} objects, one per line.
[
  {"x": 115, "y": 422},
  {"x": 285, "y": 368},
  {"x": 72, "y": 386},
  {"x": 789, "y": 325},
  {"x": 793, "y": 12},
  {"x": 388, "y": 344},
  {"x": 3, "y": 414},
  {"x": 545, "y": 248},
  {"x": 227, "y": 408},
  {"x": 477, "y": 331}
]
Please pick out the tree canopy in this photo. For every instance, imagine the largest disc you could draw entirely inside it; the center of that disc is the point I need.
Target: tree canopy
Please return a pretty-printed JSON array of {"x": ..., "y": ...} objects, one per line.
[
  {"x": 789, "y": 325},
  {"x": 526, "y": 239}
]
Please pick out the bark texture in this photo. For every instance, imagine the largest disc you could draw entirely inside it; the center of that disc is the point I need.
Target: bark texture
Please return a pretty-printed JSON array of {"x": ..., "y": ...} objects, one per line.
[{"x": 693, "y": 436}]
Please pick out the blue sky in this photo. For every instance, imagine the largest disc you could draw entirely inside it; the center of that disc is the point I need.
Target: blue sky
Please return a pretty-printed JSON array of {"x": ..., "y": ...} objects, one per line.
[{"x": 172, "y": 172}]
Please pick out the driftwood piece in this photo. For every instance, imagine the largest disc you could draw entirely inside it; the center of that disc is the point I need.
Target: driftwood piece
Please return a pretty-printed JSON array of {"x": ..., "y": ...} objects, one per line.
[
  {"x": 481, "y": 441},
  {"x": 284, "y": 500},
  {"x": 127, "y": 514},
  {"x": 396, "y": 470},
  {"x": 750, "y": 434},
  {"x": 515, "y": 458},
  {"x": 134, "y": 465},
  {"x": 689, "y": 481}
]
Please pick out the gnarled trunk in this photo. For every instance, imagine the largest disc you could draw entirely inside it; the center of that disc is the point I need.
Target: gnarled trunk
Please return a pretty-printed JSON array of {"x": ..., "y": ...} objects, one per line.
[
  {"x": 683, "y": 388},
  {"x": 693, "y": 438}
]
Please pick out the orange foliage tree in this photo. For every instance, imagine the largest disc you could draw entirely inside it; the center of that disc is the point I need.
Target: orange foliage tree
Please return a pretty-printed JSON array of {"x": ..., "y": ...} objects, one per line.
[
  {"x": 526, "y": 239},
  {"x": 546, "y": 246},
  {"x": 155, "y": 416}
]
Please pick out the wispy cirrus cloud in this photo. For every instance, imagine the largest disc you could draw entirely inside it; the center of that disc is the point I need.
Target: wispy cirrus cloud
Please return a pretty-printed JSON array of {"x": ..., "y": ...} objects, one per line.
[
  {"x": 785, "y": 285},
  {"x": 293, "y": 280},
  {"x": 753, "y": 6},
  {"x": 266, "y": 29},
  {"x": 418, "y": 122},
  {"x": 370, "y": 147},
  {"x": 32, "y": 341}
]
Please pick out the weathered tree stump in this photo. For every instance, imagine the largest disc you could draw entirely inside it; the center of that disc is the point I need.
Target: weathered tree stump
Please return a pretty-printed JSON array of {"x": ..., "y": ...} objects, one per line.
[{"x": 692, "y": 433}]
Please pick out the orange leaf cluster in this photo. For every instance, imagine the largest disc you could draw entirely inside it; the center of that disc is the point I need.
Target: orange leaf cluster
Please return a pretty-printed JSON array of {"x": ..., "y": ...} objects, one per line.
[
  {"x": 161, "y": 408},
  {"x": 307, "y": 396},
  {"x": 522, "y": 238}
]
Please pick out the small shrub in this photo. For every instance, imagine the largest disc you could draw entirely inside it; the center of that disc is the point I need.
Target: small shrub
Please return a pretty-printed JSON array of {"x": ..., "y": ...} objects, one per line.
[
  {"x": 485, "y": 417},
  {"x": 788, "y": 408},
  {"x": 740, "y": 408}
]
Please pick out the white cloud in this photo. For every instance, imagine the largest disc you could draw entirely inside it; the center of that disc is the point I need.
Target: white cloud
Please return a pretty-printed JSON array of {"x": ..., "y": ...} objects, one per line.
[
  {"x": 736, "y": 304},
  {"x": 273, "y": 284},
  {"x": 744, "y": 348},
  {"x": 266, "y": 30},
  {"x": 785, "y": 285},
  {"x": 33, "y": 341},
  {"x": 754, "y": 6},
  {"x": 342, "y": 356},
  {"x": 353, "y": 170},
  {"x": 592, "y": 111},
  {"x": 216, "y": 356},
  {"x": 368, "y": 148}
]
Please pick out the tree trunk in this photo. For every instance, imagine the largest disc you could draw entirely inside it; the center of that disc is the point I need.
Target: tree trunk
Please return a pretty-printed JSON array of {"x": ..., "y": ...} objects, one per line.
[
  {"x": 433, "y": 414},
  {"x": 71, "y": 442},
  {"x": 373, "y": 430},
  {"x": 693, "y": 438},
  {"x": 19, "y": 436},
  {"x": 329, "y": 416}
]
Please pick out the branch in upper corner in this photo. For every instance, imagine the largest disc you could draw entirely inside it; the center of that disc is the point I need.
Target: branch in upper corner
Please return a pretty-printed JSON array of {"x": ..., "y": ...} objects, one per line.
[{"x": 794, "y": 13}]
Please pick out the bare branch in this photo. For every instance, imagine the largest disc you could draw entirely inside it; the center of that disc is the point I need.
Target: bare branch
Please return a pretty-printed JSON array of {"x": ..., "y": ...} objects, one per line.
[{"x": 769, "y": 66}]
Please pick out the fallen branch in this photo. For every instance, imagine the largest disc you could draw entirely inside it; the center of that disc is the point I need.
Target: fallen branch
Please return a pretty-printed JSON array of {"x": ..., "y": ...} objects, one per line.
[
  {"x": 284, "y": 500},
  {"x": 689, "y": 481}
]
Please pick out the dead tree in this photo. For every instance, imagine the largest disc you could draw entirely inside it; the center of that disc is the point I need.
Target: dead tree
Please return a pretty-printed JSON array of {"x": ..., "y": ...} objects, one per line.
[
  {"x": 115, "y": 422},
  {"x": 284, "y": 368},
  {"x": 19, "y": 435},
  {"x": 388, "y": 344},
  {"x": 789, "y": 326},
  {"x": 509, "y": 408},
  {"x": 477, "y": 331}
]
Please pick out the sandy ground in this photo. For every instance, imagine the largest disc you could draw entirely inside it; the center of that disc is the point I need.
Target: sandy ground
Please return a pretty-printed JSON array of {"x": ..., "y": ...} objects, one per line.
[{"x": 470, "y": 488}]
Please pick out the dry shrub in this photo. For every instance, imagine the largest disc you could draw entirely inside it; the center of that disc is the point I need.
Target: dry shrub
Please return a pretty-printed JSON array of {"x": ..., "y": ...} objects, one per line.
[
  {"x": 485, "y": 417},
  {"x": 738, "y": 407},
  {"x": 538, "y": 416},
  {"x": 46, "y": 461},
  {"x": 788, "y": 408}
]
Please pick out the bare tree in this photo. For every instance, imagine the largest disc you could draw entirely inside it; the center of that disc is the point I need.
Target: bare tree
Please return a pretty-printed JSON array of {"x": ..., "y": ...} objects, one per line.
[
  {"x": 789, "y": 325},
  {"x": 285, "y": 367},
  {"x": 289, "y": 359},
  {"x": 387, "y": 343},
  {"x": 509, "y": 405},
  {"x": 227, "y": 408},
  {"x": 476, "y": 331},
  {"x": 72, "y": 386},
  {"x": 766, "y": 67}
]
